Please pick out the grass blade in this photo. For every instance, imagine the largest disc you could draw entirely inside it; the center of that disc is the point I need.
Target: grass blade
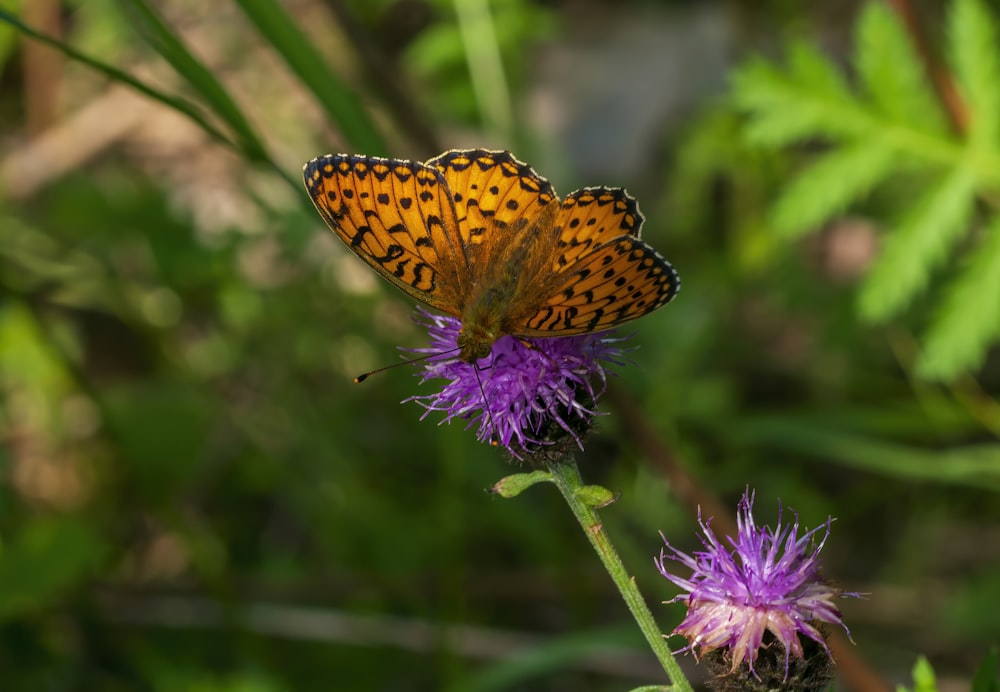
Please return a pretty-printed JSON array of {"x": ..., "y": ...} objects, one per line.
[
  {"x": 301, "y": 56},
  {"x": 198, "y": 76}
]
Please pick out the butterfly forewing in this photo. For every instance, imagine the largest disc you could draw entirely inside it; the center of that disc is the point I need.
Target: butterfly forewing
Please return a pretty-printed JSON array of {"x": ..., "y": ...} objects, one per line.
[
  {"x": 494, "y": 194},
  {"x": 620, "y": 281},
  {"x": 398, "y": 217}
]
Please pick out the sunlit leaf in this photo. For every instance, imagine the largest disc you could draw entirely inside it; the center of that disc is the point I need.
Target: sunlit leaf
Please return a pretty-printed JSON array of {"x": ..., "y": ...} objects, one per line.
[
  {"x": 918, "y": 245},
  {"x": 968, "y": 318}
]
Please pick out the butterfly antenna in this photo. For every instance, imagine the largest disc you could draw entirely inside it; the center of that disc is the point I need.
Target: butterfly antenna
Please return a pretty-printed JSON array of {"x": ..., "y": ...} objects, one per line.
[{"x": 365, "y": 375}]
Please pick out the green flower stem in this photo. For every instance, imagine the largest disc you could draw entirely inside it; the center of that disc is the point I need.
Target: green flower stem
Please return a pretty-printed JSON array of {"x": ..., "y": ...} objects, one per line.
[{"x": 566, "y": 476}]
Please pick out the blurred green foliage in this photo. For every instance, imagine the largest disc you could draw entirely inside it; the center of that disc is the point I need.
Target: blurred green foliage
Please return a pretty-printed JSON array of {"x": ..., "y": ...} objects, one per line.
[
  {"x": 446, "y": 56},
  {"x": 195, "y": 496},
  {"x": 923, "y": 677},
  {"x": 891, "y": 130}
]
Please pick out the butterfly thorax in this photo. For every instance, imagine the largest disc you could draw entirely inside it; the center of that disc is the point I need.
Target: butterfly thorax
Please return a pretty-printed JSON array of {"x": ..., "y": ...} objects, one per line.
[
  {"x": 506, "y": 272},
  {"x": 483, "y": 321}
]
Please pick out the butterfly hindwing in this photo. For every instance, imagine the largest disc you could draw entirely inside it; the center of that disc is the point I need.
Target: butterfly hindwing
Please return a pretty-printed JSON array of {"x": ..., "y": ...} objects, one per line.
[
  {"x": 398, "y": 217},
  {"x": 618, "y": 282},
  {"x": 592, "y": 216}
]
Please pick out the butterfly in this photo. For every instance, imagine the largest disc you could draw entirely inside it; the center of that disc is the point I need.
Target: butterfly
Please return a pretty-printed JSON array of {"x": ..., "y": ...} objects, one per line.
[{"x": 479, "y": 235}]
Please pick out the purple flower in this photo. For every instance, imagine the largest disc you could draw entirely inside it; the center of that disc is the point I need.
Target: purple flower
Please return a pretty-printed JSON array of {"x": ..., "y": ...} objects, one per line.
[
  {"x": 523, "y": 397},
  {"x": 768, "y": 583}
]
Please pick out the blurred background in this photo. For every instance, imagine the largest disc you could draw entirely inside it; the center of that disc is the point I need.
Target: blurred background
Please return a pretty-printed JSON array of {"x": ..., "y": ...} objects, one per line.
[{"x": 194, "y": 495}]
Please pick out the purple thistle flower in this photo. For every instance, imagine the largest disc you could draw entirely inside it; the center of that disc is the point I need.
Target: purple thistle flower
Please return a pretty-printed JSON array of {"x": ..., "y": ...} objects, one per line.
[
  {"x": 769, "y": 582},
  {"x": 534, "y": 395}
]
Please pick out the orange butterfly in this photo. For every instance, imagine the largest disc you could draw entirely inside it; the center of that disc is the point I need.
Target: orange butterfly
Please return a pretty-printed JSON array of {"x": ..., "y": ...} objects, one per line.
[{"x": 479, "y": 235}]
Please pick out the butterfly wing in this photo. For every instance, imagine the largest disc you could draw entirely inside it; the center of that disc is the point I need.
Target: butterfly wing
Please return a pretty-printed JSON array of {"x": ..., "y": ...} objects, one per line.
[
  {"x": 590, "y": 217},
  {"x": 398, "y": 216},
  {"x": 602, "y": 274},
  {"x": 495, "y": 196},
  {"x": 620, "y": 281}
]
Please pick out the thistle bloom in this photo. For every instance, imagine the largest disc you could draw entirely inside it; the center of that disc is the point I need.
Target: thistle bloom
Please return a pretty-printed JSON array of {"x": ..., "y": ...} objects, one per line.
[
  {"x": 769, "y": 582},
  {"x": 523, "y": 397}
]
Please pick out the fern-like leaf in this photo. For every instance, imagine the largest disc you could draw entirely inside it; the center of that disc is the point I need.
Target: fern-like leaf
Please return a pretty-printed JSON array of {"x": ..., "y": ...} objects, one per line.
[
  {"x": 974, "y": 55},
  {"x": 892, "y": 74},
  {"x": 891, "y": 126},
  {"x": 830, "y": 185},
  {"x": 811, "y": 99},
  {"x": 918, "y": 245},
  {"x": 969, "y": 317}
]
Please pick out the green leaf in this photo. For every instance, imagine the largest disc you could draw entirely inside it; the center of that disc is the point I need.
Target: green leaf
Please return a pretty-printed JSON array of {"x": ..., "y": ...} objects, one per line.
[
  {"x": 515, "y": 484},
  {"x": 918, "y": 245},
  {"x": 830, "y": 185},
  {"x": 969, "y": 316},
  {"x": 596, "y": 496},
  {"x": 923, "y": 676},
  {"x": 973, "y": 43},
  {"x": 892, "y": 73},
  {"x": 807, "y": 66},
  {"x": 341, "y": 104},
  {"x": 808, "y": 100}
]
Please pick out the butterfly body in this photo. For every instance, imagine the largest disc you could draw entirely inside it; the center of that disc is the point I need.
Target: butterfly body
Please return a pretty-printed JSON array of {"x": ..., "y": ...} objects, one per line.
[{"x": 479, "y": 235}]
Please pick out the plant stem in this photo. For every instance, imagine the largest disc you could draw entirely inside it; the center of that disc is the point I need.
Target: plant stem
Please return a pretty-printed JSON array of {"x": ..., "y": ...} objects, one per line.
[{"x": 566, "y": 476}]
